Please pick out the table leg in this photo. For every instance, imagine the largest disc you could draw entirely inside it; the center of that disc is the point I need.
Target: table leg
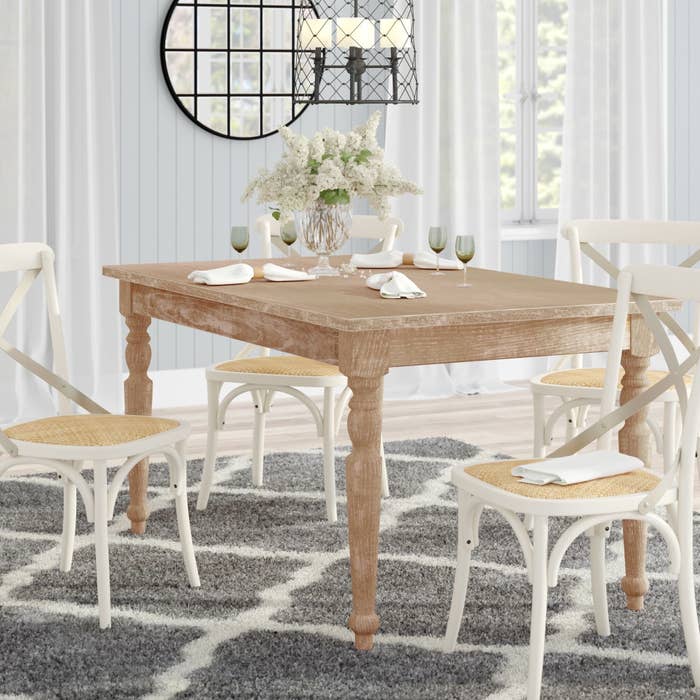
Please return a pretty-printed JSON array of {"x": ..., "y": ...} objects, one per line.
[
  {"x": 635, "y": 439},
  {"x": 363, "y": 477},
  {"x": 138, "y": 400}
]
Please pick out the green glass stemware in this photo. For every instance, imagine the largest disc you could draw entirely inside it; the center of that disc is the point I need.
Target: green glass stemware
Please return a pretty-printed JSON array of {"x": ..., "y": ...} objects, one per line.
[
  {"x": 288, "y": 234},
  {"x": 240, "y": 238},
  {"x": 437, "y": 240},
  {"x": 465, "y": 248}
]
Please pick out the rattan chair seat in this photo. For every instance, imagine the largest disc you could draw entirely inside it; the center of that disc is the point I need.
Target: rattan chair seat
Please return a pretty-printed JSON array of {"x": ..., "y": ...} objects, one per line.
[
  {"x": 90, "y": 430},
  {"x": 594, "y": 377},
  {"x": 498, "y": 474},
  {"x": 288, "y": 365}
]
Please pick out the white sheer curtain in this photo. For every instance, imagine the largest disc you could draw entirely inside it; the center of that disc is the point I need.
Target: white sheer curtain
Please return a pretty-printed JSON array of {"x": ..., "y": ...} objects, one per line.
[
  {"x": 58, "y": 185},
  {"x": 449, "y": 144},
  {"x": 614, "y": 162}
]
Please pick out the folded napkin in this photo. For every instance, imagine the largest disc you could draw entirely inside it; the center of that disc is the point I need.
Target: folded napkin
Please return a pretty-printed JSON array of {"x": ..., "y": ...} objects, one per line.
[
  {"x": 275, "y": 273},
  {"x": 395, "y": 285},
  {"x": 384, "y": 259},
  {"x": 240, "y": 273},
  {"x": 577, "y": 468},
  {"x": 394, "y": 258},
  {"x": 426, "y": 261}
]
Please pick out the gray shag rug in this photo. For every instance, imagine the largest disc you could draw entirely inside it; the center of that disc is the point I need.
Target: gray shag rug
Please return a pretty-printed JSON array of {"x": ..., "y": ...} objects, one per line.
[{"x": 269, "y": 619}]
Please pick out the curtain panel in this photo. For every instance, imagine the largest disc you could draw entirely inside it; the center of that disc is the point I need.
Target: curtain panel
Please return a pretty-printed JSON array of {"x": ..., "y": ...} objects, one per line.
[
  {"x": 59, "y": 186},
  {"x": 449, "y": 144}
]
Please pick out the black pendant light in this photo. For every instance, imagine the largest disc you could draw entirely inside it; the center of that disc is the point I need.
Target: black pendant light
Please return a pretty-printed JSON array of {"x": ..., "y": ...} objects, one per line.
[{"x": 364, "y": 54}]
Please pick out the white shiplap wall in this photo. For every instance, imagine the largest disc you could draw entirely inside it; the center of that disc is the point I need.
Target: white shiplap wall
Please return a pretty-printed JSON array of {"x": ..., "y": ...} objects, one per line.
[{"x": 180, "y": 186}]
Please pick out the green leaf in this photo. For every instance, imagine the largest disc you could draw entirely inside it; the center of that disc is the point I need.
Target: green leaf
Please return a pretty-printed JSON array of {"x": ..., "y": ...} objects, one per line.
[
  {"x": 363, "y": 156},
  {"x": 333, "y": 197},
  {"x": 276, "y": 215}
]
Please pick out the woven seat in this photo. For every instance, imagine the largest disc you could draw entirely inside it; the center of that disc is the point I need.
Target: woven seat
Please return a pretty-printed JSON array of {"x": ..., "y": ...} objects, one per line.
[
  {"x": 594, "y": 377},
  {"x": 90, "y": 430},
  {"x": 498, "y": 474},
  {"x": 286, "y": 365}
]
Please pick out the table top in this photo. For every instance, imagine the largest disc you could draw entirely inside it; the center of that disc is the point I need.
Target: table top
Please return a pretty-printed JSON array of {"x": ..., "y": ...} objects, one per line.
[{"x": 347, "y": 304}]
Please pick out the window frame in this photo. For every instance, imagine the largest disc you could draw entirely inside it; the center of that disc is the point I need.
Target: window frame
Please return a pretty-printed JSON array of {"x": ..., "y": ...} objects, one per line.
[{"x": 526, "y": 219}]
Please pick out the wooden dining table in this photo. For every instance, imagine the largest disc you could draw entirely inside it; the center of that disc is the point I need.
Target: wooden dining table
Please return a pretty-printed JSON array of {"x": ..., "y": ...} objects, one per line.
[{"x": 341, "y": 321}]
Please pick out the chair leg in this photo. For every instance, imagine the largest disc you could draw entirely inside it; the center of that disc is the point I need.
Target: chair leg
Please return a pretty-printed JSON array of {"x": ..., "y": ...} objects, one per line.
[
  {"x": 465, "y": 544},
  {"x": 329, "y": 454},
  {"x": 669, "y": 434},
  {"x": 68, "y": 534},
  {"x": 102, "y": 546},
  {"x": 570, "y": 424},
  {"x": 259, "y": 437},
  {"x": 539, "y": 608},
  {"x": 213, "y": 428},
  {"x": 539, "y": 421},
  {"x": 178, "y": 482},
  {"x": 686, "y": 592},
  {"x": 385, "y": 476},
  {"x": 597, "y": 537}
]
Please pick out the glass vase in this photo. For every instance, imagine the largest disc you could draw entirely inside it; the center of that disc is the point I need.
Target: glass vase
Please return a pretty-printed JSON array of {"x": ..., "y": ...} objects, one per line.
[{"x": 324, "y": 229}]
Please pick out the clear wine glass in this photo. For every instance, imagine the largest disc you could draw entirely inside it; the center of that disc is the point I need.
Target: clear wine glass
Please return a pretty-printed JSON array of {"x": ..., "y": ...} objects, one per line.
[
  {"x": 465, "y": 248},
  {"x": 240, "y": 238},
  {"x": 288, "y": 234},
  {"x": 437, "y": 239}
]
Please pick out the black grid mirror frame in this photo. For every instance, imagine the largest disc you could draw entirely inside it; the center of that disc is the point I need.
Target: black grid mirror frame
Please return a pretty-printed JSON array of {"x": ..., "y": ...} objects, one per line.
[{"x": 229, "y": 64}]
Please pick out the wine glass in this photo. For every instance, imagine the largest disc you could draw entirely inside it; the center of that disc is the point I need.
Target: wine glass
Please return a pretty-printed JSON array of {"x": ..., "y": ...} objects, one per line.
[
  {"x": 288, "y": 234},
  {"x": 437, "y": 239},
  {"x": 464, "y": 250},
  {"x": 240, "y": 238}
]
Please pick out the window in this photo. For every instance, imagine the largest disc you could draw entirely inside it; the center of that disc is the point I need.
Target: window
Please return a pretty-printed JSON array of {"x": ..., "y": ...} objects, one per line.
[{"x": 532, "y": 64}]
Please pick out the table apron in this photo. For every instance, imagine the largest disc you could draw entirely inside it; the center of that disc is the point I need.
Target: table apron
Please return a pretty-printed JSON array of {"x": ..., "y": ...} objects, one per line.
[
  {"x": 403, "y": 346},
  {"x": 265, "y": 330},
  {"x": 498, "y": 341}
]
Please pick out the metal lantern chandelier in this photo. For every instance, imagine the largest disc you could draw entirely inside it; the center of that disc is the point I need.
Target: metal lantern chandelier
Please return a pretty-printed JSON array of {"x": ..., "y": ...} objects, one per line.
[{"x": 352, "y": 52}]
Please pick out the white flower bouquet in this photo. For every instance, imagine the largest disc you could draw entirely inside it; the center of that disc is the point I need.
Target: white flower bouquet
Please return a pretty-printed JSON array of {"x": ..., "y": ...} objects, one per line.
[{"x": 332, "y": 168}]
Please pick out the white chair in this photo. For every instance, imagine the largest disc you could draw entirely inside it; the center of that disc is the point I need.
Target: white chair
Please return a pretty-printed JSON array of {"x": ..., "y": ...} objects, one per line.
[
  {"x": 577, "y": 387},
  {"x": 265, "y": 376},
  {"x": 66, "y": 442},
  {"x": 594, "y": 504}
]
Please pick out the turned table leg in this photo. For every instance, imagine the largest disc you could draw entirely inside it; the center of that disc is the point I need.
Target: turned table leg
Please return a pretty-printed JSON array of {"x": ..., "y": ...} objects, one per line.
[
  {"x": 363, "y": 478},
  {"x": 138, "y": 398},
  {"x": 635, "y": 439}
]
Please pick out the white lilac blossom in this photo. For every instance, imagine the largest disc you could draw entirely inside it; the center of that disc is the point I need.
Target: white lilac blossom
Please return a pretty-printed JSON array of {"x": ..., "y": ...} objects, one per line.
[{"x": 331, "y": 168}]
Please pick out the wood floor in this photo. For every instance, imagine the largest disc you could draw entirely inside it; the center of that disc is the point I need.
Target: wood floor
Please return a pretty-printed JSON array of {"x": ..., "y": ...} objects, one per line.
[{"x": 497, "y": 422}]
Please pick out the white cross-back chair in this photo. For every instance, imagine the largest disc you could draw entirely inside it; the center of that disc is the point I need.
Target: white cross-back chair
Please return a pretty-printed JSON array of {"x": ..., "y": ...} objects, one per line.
[
  {"x": 579, "y": 388},
  {"x": 263, "y": 377},
  {"x": 665, "y": 503},
  {"x": 65, "y": 443}
]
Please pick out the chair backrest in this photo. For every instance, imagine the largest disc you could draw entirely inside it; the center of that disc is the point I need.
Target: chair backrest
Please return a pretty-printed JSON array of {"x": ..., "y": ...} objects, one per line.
[
  {"x": 584, "y": 234},
  {"x": 31, "y": 260},
  {"x": 363, "y": 226},
  {"x": 637, "y": 283}
]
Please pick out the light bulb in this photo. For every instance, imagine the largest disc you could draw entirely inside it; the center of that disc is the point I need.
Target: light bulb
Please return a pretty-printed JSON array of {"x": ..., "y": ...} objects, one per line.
[
  {"x": 355, "y": 32},
  {"x": 395, "y": 32},
  {"x": 316, "y": 34}
]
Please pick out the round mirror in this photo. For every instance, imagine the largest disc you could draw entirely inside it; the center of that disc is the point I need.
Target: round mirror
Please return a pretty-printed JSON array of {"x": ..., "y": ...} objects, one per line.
[{"x": 229, "y": 64}]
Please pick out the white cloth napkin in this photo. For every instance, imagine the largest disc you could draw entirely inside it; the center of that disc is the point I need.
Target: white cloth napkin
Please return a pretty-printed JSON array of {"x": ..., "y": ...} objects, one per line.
[
  {"x": 426, "y": 261},
  {"x": 395, "y": 285},
  {"x": 394, "y": 258},
  {"x": 378, "y": 261},
  {"x": 275, "y": 273},
  {"x": 575, "y": 469},
  {"x": 240, "y": 273}
]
